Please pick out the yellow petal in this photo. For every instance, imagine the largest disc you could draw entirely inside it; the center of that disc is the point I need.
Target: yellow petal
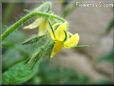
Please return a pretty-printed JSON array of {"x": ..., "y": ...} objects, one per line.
[
  {"x": 72, "y": 42},
  {"x": 43, "y": 27},
  {"x": 56, "y": 48},
  {"x": 35, "y": 24},
  {"x": 63, "y": 26},
  {"x": 59, "y": 33}
]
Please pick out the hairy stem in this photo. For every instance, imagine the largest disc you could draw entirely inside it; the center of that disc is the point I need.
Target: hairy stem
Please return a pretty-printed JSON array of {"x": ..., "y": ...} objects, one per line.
[
  {"x": 42, "y": 10},
  {"x": 25, "y": 18}
]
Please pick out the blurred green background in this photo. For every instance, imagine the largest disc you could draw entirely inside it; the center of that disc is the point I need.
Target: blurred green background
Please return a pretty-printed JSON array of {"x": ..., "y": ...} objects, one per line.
[{"x": 93, "y": 64}]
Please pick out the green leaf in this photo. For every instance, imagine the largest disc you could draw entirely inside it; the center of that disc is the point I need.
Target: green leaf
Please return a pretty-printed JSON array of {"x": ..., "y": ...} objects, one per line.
[
  {"x": 19, "y": 73},
  {"x": 22, "y": 72}
]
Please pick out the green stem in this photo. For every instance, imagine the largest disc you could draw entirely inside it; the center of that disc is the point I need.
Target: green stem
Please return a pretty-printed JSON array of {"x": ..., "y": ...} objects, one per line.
[
  {"x": 49, "y": 15},
  {"x": 24, "y": 19}
]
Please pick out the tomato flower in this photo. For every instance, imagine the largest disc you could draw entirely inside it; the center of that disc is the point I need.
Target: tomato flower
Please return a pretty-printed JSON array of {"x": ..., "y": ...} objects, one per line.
[{"x": 62, "y": 38}]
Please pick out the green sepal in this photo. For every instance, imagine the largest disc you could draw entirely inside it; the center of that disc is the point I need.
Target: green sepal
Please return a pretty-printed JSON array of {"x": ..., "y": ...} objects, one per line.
[{"x": 81, "y": 46}]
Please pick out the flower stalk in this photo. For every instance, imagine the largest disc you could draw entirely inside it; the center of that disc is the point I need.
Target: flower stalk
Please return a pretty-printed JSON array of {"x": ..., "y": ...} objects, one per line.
[{"x": 27, "y": 17}]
